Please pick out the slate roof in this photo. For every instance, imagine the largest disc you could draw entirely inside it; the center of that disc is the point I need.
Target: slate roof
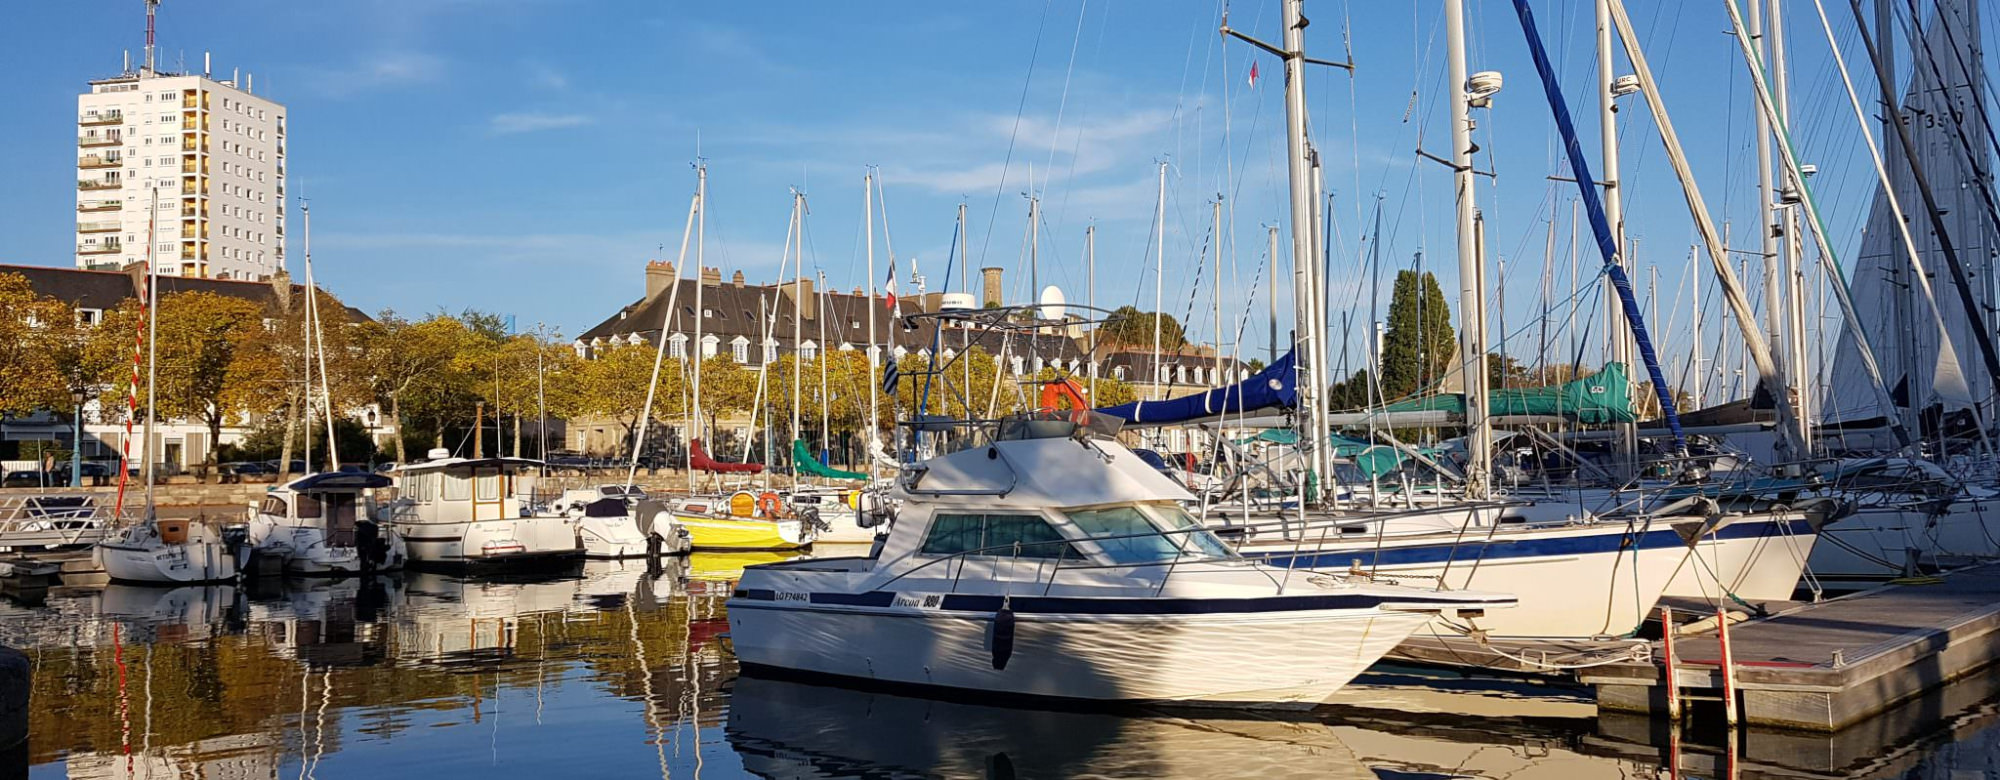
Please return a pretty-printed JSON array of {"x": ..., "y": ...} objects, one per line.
[{"x": 105, "y": 290}]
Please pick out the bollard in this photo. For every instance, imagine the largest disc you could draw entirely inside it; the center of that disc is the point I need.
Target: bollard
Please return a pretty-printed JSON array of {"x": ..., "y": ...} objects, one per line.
[
  {"x": 1728, "y": 668},
  {"x": 1667, "y": 670}
]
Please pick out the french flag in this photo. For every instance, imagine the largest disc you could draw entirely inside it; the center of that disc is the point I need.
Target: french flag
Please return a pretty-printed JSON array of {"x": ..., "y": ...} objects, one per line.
[{"x": 889, "y": 290}]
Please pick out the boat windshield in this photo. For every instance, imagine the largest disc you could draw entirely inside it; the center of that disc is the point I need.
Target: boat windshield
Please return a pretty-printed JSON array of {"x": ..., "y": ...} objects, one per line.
[{"x": 1128, "y": 535}]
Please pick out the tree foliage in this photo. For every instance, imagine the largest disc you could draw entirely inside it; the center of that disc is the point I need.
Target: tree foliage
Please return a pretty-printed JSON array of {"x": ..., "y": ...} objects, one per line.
[
  {"x": 1128, "y": 326},
  {"x": 1417, "y": 349}
]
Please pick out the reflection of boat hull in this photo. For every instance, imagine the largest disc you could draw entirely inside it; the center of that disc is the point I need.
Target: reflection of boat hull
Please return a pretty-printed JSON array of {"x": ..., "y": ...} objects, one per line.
[
  {"x": 1305, "y": 656},
  {"x": 194, "y": 605},
  {"x": 523, "y": 542},
  {"x": 786, "y": 729},
  {"x": 729, "y": 566},
  {"x": 731, "y": 533}
]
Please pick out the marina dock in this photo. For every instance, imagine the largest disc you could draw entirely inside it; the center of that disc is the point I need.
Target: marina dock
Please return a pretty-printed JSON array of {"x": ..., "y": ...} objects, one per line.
[{"x": 1830, "y": 665}]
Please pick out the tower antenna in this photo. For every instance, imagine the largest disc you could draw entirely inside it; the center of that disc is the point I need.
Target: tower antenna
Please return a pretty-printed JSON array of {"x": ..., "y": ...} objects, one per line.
[{"x": 152, "y": 7}]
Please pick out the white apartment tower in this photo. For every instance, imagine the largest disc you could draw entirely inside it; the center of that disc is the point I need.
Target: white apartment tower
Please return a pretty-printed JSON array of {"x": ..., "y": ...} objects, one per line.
[{"x": 214, "y": 152}]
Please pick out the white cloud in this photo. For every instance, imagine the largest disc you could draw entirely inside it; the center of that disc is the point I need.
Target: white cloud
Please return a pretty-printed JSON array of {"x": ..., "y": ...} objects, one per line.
[
  {"x": 384, "y": 70},
  {"x": 531, "y": 121}
]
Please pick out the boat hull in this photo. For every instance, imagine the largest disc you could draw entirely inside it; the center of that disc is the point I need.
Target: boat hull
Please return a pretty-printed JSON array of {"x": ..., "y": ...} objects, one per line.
[
  {"x": 1302, "y": 657},
  {"x": 612, "y": 537},
  {"x": 192, "y": 563},
  {"x": 729, "y": 533},
  {"x": 1881, "y": 542},
  {"x": 1571, "y": 581},
  {"x": 1755, "y": 558},
  {"x": 512, "y": 542},
  {"x": 306, "y": 552}
]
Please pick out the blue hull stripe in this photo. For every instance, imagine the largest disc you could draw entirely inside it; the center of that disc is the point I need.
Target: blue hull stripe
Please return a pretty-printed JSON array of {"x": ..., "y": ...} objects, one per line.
[
  {"x": 1471, "y": 549},
  {"x": 1059, "y": 605}
]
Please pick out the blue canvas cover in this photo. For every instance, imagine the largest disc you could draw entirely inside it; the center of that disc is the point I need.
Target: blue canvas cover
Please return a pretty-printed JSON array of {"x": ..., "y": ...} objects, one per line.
[{"x": 1277, "y": 386}]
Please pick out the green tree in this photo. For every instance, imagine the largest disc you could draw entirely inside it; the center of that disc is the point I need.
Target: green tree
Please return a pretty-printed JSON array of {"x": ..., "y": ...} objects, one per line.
[
  {"x": 1130, "y": 327},
  {"x": 209, "y": 367},
  {"x": 614, "y": 384},
  {"x": 1417, "y": 349}
]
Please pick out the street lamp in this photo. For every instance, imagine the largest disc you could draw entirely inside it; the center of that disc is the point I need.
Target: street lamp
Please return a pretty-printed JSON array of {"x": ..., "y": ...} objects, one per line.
[{"x": 77, "y": 395}]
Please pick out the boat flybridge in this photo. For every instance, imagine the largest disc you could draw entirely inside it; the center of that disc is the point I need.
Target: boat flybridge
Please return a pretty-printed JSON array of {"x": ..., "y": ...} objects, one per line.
[
  {"x": 319, "y": 524},
  {"x": 1043, "y": 558},
  {"x": 474, "y": 512}
]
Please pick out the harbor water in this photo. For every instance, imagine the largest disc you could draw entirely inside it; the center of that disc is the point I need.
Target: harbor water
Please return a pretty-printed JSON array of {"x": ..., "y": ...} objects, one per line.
[{"x": 625, "y": 670}]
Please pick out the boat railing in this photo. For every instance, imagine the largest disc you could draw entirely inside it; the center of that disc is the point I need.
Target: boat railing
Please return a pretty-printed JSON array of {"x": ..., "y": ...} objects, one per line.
[{"x": 56, "y": 520}]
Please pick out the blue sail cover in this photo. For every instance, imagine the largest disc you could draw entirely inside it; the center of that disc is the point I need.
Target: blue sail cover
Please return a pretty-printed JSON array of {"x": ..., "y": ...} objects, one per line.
[{"x": 1275, "y": 386}]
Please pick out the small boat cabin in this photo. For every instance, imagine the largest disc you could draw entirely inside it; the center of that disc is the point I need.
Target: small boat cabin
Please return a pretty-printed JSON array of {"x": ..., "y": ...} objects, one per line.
[{"x": 458, "y": 490}]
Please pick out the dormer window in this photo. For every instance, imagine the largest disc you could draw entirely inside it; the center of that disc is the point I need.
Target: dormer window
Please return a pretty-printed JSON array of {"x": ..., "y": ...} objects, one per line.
[
  {"x": 709, "y": 344},
  {"x": 677, "y": 346},
  {"x": 739, "y": 349}
]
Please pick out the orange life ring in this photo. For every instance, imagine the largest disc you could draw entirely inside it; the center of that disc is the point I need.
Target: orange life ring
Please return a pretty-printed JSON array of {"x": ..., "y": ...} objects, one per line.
[{"x": 769, "y": 505}]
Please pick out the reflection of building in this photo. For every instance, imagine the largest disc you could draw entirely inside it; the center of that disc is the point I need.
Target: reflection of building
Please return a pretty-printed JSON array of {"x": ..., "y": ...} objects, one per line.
[{"x": 231, "y": 757}]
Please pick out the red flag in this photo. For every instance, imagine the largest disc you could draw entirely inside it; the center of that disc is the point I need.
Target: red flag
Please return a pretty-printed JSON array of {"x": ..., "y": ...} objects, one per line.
[
  {"x": 1253, "y": 74},
  {"x": 889, "y": 290}
]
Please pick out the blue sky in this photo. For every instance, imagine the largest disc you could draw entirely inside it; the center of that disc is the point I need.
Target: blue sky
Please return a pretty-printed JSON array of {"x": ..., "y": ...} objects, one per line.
[{"x": 528, "y": 156}]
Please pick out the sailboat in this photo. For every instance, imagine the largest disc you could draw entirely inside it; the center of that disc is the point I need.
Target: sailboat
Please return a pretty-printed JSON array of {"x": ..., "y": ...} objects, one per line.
[{"x": 158, "y": 551}]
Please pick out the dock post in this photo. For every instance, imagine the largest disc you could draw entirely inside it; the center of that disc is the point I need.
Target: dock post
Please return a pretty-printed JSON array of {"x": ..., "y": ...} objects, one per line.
[
  {"x": 1728, "y": 667},
  {"x": 1667, "y": 667}
]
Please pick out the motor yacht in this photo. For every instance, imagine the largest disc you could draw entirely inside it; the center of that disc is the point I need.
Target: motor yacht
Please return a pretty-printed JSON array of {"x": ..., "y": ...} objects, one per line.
[
  {"x": 1047, "y": 562},
  {"x": 475, "y": 512}
]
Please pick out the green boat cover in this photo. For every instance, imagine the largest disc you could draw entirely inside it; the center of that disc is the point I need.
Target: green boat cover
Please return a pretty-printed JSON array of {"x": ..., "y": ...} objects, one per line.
[
  {"x": 807, "y": 465},
  {"x": 1597, "y": 399}
]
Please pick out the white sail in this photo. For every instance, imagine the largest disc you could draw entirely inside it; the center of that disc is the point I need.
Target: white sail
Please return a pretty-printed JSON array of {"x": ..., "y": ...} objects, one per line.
[{"x": 1921, "y": 365}]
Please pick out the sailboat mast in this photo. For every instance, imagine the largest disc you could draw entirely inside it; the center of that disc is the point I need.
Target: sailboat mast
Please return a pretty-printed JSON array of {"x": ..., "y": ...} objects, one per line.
[
  {"x": 1215, "y": 288},
  {"x": 316, "y": 349},
  {"x": 798, "y": 310},
  {"x": 1617, "y": 331},
  {"x": 874, "y": 350},
  {"x": 152, "y": 330},
  {"x": 1090, "y": 298},
  {"x": 305, "y": 343},
  {"x": 695, "y": 426},
  {"x": 1271, "y": 300},
  {"x": 1792, "y": 276},
  {"x": 1303, "y": 263},
  {"x": 1471, "y": 275},
  {"x": 1159, "y": 281}
]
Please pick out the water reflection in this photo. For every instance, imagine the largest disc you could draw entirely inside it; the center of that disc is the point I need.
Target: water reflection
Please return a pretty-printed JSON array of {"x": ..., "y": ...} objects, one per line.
[{"x": 622, "y": 670}]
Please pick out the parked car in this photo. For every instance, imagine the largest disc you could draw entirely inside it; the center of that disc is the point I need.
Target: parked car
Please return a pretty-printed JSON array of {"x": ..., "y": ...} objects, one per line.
[{"x": 17, "y": 479}]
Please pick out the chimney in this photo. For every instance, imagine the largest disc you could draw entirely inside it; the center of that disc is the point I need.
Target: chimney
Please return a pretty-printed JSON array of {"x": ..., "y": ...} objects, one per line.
[
  {"x": 933, "y": 301},
  {"x": 994, "y": 296},
  {"x": 808, "y": 307},
  {"x": 737, "y": 279},
  {"x": 659, "y": 276},
  {"x": 711, "y": 277},
  {"x": 281, "y": 286}
]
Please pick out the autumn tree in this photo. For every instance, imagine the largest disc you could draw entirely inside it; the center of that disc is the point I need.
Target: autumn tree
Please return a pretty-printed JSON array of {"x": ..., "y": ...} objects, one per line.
[
  {"x": 406, "y": 360},
  {"x": 614, "y": 384},
  {"x": 40, "y": 349},
  {"x": 208, "y": 366}
]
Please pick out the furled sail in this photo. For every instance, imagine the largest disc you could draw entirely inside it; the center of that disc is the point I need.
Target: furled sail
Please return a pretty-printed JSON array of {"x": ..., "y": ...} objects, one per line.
[
  {"x": 809, "y": 466},
  {"x": 1275, "y": 387},
  {"x": 699, "y": 460},
  {"x": 1922, "y": 366}
]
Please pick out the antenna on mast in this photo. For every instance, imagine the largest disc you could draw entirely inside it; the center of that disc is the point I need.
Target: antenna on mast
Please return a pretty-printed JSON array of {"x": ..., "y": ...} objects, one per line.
[{"x": 152, "y": 7}]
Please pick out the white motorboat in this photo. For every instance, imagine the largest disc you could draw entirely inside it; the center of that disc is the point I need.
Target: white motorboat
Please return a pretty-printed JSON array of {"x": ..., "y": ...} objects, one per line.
[
  {"x": 1046, "y": 563},
  {"x": 319, "y": 524},
  {"x": 473, "y": 512},
  {"x": 162, "y": 551},
  {"x": 621, "y": 521}
]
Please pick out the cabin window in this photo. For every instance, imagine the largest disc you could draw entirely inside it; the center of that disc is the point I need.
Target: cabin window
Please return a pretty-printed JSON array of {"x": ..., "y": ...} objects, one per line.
[
  {"x": 995, "y": 535},
  {"x": 489, "y": 485},
  {"x": 273, "y": 505},
  {"x": 1197, "y": 542},
  {"x": 1125, "y": 535},
  {"x": 456, "y": 488},
  {"x": 308, "y": 506}
]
